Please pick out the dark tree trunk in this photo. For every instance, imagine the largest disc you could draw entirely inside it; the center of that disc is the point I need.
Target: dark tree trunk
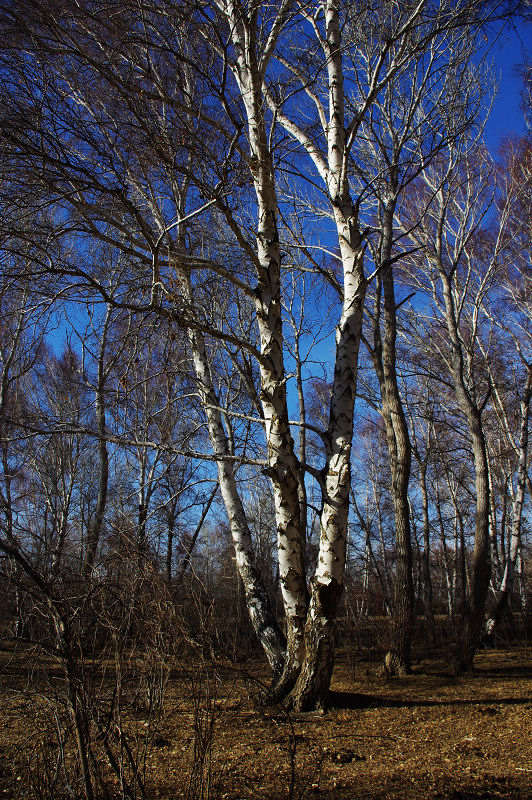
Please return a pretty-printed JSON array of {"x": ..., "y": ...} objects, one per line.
[
  {"x": 475, "y": 603},
  {"x": 312, "y": 688},
  {"x": 170, "y": 544},
  {"x": 96, "y": 524},
  {"x": 512, "y": 556},
  {"x": 399, "y": 452},
  {"x": 427, "y": 577},
  {"x": 190, "y": 549}
]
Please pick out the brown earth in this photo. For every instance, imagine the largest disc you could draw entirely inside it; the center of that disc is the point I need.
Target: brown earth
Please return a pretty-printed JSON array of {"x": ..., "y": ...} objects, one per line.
[{"x": 428, "y": 735}]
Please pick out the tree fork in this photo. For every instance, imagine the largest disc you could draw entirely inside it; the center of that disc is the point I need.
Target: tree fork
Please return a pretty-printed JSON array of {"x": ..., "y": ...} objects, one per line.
[{"x": 312, "y": 688}]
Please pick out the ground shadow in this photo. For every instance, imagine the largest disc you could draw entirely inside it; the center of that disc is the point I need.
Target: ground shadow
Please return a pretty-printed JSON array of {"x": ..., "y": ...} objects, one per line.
[
  {"x": 502, "y": 673},
  {"x": 355, "y": 700},
  {"x": 445, "y": 791}
]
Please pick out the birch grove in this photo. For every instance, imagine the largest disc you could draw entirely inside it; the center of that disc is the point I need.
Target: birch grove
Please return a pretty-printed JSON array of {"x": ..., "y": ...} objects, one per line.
[{"x": 182, "y": 175}]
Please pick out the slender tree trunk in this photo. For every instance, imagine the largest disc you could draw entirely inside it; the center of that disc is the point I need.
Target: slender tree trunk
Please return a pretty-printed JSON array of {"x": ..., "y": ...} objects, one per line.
[
  {"x": 504, "y": 538},
  {"x": 95, "y": 527},
  {"x": 364, "y": 608},
  {"x": 283, "y": 466},
  {"x": 170, "y": 516},
  {"x": 476, "y": 601},
  {"x": 497, "y": 555},
  {"x": 312, "y": 688},
  {"x": 507, "y": 582},
  {"x": 475, "y": 605},
  {"x": 399, "y": 451},
  {"x": 521, "y": 582},
  {"x": 257, "y": 600},
  {"x": 451, "y": 595},
  {"x": 403, "y": 585},
  {"x": 387, "y": 582},
  {"x": 461, "y": 576},
  {"x": 190, "y": 549},
  {"x": 302, "y": 440},
  {"x": 428, "y": 602},
  {"x": 96, "y": 524},
  {"x": 142, "y": 519}
]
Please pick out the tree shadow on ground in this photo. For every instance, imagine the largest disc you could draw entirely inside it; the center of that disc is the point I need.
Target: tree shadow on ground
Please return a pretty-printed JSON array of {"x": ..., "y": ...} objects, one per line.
[
  {"x": 355, "y": 700},
  {"x": 502, "y": 673},
  {"x": 441, "y": 790}
]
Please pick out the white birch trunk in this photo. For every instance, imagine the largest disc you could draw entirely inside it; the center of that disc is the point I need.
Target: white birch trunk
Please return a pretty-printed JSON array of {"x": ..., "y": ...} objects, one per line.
[
  {"x": 476, "y": 596},
  {"x": 313, "y": 684},
  {"x": 258, "y": 603},
  {"x": 283, "y": 466},
  {"x": 507, "y": 581}
]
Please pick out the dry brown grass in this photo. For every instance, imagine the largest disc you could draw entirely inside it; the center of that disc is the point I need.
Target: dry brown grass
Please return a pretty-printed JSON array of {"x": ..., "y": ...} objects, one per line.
[{"x": 429, "y": 735}]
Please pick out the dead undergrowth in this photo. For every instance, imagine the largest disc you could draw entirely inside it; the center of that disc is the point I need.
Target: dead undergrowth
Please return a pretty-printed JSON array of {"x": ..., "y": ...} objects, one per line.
[{"x": 427, "y": 735}]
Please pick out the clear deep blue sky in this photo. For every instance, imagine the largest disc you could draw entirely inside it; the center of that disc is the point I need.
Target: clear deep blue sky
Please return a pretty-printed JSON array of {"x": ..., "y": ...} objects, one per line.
[{"x": 511, "y": 50}]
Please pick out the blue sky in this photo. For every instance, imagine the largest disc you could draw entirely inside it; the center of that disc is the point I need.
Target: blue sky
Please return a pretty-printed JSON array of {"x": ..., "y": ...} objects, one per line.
[
  {"x": 512, "y": 48},
  {"x": 508, "y": 53}
]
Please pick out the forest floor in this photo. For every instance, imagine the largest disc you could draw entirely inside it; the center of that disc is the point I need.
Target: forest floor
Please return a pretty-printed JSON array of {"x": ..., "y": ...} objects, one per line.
[{"x": 426, "y": 736}]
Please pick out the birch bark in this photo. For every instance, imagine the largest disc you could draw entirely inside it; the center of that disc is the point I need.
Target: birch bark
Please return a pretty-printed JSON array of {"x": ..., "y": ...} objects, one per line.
[
  {"x": 475, "y": 601},
  {"x": 327, "y": 585},
  {"x": 332, "y": 165},
  {"x": 257, "y": 601},
  {"x": 95, "y": 527},
  {"x": 283, "y": 466},
  {"x": 427, "y": 577},
  {"x": 507, "y": 582},
  {"x": 399, "y": 449}
]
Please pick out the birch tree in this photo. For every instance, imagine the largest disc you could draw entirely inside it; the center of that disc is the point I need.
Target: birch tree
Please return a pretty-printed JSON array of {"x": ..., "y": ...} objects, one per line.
[
  {"x": 162, "y": 130},
  {"x": 406, "y": 127},
  {"x": 354, "y": 53},
  {"x": 507, "y": 312},
  {"x": 462, "y": 193}
]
